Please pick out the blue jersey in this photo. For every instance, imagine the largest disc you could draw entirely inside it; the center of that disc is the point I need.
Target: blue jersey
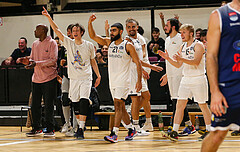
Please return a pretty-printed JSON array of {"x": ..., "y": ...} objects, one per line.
[
  {"x": 229, "y": 49},
  {"x": 229, "y": 69}
]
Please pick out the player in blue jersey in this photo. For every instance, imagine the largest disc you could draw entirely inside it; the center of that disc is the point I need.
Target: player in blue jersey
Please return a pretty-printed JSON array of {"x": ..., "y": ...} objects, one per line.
[{"x": 223, "y": 68}]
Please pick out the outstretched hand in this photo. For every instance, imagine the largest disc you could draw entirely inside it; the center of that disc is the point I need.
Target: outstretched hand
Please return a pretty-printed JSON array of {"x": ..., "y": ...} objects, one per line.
[
  {"x": 23, "y": 60},
  {"x": 107, "y": 25},
  {"x": 163, "y": 54},
  {"x": 177, "y": 56},
  {"x": 45, "y": 12},
  {"x": 161, "y": 15},
  {"x": 92, "y": 18}
]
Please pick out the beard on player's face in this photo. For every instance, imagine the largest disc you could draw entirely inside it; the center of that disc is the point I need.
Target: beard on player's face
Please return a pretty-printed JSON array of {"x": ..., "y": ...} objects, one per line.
[{"x": 115, "y": 37}]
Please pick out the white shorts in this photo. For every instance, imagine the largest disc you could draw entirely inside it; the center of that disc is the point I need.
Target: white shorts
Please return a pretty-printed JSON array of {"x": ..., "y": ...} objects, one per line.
[
  {"x": 79, "y": 89},
  {"x": 133, "y": 92},
  {"x": 119, "y": 93},
  {"x": 65, "y": 85},
  {"x": 196, "y": 87},
  {"x": 173, "y": 84}
]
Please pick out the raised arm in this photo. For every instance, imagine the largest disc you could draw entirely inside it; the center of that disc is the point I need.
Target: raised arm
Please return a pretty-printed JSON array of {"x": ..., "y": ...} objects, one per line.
[
  {"x": 162, "y": 20},
  {"x": 213, "y": 37},
  {"x": 93, "y": 35},
  {"x": 130, "y": 48},
  {"x": 53, "y": 24},
  {"x": 107, "y": 28}
]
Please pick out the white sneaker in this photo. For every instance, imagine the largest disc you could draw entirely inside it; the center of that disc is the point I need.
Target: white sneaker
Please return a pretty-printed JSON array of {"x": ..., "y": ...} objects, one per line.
[
  {"x": 142, "y": 132},
  {"x": 66, "y": 127},
  {"x": 70, "y": 133},
  {"x": 148, "y": 127}
]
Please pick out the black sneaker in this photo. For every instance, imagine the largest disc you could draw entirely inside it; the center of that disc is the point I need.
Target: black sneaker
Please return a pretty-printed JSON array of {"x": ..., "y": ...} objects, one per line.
[
  {"x": 204, "y": 135},
  {"x": 201, "y": 132},
  {"x": 79, "y": 134},
  {"x": 49, "y": 134},
  {"x": 34, "y": 133},
  {"x": 235, "y": 133},
  {"x": 173, "y": 135},
  {"x": 187, "y": 130}
]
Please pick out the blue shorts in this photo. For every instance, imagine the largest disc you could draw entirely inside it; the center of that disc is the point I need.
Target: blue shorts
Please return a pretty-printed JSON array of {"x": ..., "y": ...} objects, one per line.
[{"x": 230, "y": 120}]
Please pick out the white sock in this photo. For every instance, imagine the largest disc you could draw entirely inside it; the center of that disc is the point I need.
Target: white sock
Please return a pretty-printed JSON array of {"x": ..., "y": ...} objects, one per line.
[
  {"x": 115, "y": 130},
  {"x": 66, "y": 113},
  {"x": 129, "y": 126},
  {"x": 176, "y": 127},
  {"x": 81, "y": 124},
  {"x": 149, "y": 120},
  {"x": 188, "y": 123},
  {"x": 136, "y": 124},
  {"x": 75, "y": 122},
  {"x": 208, "y": 127}
]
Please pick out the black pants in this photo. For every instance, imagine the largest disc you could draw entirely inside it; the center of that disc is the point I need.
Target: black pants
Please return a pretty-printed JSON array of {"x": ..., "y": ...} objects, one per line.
[
  {"x": 47, "y": 90},
  {"x": 185, "y": 116}
]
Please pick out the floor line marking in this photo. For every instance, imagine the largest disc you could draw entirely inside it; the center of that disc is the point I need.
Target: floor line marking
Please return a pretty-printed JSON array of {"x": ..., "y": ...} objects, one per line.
[
  {"x": 18, "y": 142},
  {"x": 57, "y": 139}
]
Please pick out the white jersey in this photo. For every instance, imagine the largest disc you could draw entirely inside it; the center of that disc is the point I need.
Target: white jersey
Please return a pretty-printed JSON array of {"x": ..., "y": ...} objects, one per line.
[
  {"x": 119, "y": 65},
  {"x": 145, "y": 59},
  {"x": 78, "y": 58},
  {"x": 172, "y": 45},
  {"x": 188, "y": 53}
]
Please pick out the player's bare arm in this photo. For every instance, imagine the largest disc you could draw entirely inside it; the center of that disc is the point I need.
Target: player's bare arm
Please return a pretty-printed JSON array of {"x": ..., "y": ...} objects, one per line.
[
  {"x": 93, "y": 35},
  {"x": 130, "y": 48},
  {"x": 213, "y": 37},
  {"x": 53, "y": 25}
]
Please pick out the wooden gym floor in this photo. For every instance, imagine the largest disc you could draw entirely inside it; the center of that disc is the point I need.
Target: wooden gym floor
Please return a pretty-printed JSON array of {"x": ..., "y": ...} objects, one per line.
[{"x": 11, "y": 139}]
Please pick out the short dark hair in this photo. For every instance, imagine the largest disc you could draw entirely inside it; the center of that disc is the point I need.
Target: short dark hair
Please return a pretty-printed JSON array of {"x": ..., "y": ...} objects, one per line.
[
  {"x": 155, "y": 29},
  {"x": 82, "y": 29},
  {"x": 24, "y": 39},
  {"x": 140, "y": 30},
  {"x": 70, "y": 27},
  {"x": 203, "y": 32},
  {"x": 174, "y": 22},
  {"x": 118, "y": 25},
  {"x": 198, "y": 29},
  {"x": 56, "y": 38}
]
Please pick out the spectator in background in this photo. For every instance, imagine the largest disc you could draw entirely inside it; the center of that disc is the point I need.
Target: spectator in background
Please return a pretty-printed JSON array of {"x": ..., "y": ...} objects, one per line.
[
  {"x": 21, "y": 51},
  {"x": 198, "y": 31},
  {"x": 43, "y": 59},
  {"x": 102, "y": 57},
  {"x": 61, "y": 51},
  {"x": 105, "y": 53},
  {"x": 223, "y": 3},
  {"x": 141, "y": 32},
  {"x": 157, "y": 43},
  {"x": 203, "y": 37}
]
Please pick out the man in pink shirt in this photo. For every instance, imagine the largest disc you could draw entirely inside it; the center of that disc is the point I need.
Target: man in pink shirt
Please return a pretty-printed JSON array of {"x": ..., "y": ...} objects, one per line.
[{"x": 43, "y": 59}]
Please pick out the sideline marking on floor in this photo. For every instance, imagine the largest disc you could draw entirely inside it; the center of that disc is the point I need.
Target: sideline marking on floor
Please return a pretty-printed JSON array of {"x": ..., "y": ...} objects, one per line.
[{"x": 19, "y": 142}]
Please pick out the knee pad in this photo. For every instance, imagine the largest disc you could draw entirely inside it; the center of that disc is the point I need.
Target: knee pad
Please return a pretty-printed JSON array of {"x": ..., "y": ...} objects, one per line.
[
  {"x": 76, "y": 108},
  {"x": 84, "y": 106},
  {"x": 65, "y": 100}
]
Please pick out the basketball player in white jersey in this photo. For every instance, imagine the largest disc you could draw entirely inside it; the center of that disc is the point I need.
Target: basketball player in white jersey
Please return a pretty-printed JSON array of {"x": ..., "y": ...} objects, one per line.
[
  {"x": 146, "y": 106},
  {"x": 174, "y": 75},
  {"x": 81, "y": 60},
  {"x": 142, "y": 97},
  {"x": 120, "y": 55},
  {"x": 194, "y": 82}
]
